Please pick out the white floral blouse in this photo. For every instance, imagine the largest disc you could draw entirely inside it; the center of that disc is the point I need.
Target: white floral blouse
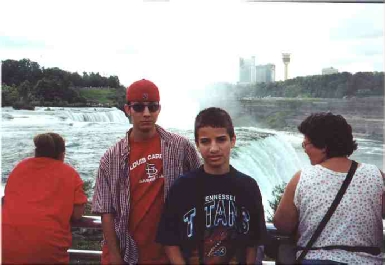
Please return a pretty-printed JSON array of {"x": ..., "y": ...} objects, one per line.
[{"x": 357, "y": 220}]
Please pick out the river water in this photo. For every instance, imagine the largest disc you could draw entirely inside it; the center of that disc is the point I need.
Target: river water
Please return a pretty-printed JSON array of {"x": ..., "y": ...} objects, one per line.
[{"x": 269, "y": 156}]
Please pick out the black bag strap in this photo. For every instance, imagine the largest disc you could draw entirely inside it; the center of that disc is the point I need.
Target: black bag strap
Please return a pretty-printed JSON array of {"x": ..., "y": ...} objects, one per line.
[
  {"x": 330, "y": 211},
  {"x": 371, "y": 250}
]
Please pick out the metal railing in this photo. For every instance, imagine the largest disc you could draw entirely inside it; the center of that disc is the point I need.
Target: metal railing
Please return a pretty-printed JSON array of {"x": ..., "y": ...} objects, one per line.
[
  {"x": 89, "y": 222},
  {"x": 94, "y": 222}
]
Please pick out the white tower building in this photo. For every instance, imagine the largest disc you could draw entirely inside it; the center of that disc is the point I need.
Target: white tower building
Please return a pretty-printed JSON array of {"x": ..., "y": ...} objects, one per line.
[{"x": 286, "y": 61}]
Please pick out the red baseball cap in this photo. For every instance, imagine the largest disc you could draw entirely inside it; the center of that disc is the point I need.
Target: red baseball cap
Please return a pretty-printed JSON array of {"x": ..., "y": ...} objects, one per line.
[{"x": 142, "y": 90}]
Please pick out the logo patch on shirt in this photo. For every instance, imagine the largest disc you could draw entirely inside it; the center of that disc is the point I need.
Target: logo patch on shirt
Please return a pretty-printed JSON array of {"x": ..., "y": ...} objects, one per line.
[
  {"x": 221, "y": 252},
  {"x": 152, "y": 174},
  {"x": 151, "y": 170}
]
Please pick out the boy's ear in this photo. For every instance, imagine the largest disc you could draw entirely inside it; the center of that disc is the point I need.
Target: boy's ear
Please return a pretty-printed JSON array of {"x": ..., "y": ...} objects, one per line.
[
  {"x": 127, "y": 110},
  {"x": 233, "y": 140},
  {"x": 62, "y": 156}
]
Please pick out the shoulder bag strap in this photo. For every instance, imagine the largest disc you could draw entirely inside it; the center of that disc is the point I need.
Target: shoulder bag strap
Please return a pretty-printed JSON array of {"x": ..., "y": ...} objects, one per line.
[{"x": 331, "y": 210}]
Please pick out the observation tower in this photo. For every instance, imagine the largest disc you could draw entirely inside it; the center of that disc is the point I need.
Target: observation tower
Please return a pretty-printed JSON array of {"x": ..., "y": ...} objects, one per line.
[{"x": 286, "y": 61}]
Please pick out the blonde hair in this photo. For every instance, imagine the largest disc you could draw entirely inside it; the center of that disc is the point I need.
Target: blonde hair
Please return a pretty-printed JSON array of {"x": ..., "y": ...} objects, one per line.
[{"x": 49, "y": 145}]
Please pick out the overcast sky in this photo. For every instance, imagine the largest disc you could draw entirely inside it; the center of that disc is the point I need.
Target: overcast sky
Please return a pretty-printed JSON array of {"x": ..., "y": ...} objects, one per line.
[{"x": 187, "y": 44}]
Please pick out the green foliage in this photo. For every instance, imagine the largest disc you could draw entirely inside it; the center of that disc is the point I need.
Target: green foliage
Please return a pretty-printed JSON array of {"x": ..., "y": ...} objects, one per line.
[
  {"x": 16, "y": 72},
  {"x": 51, "y": 86},
  {"x": 22, "y": 105},
  {"x": 277, "y": 193},
  {"x": 361, "y": 84},
  {"x": 86, "y": 244},
  {"x": 113, "y": 81},
  {"x": 88, "y": 187},
  {"x": 9, "y": 95},
  {"x": 25, "y": 90},
  {"x": 99, "y": 95},
  {"x": 277, "y": 120}
]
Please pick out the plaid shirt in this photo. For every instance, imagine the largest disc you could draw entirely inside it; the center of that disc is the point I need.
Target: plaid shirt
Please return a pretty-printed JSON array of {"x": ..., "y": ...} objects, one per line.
[{"x": 112, "y": 192}]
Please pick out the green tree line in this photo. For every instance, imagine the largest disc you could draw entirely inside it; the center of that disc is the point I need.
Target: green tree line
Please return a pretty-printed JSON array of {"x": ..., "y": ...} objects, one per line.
[
  {"x": 25, "y": 83},
  {"x": 360, "y": 84}
]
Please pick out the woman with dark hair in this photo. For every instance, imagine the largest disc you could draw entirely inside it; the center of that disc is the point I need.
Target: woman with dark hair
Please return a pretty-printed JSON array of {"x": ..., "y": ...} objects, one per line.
[
  {"x": 354, "y": 233},
  {"x": 42, "y": 196}
]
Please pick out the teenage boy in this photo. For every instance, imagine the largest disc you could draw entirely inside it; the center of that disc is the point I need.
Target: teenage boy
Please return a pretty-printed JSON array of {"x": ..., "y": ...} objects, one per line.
[
  {"x": 134, "y": 177},
  {"x": 213, "y": 214}
]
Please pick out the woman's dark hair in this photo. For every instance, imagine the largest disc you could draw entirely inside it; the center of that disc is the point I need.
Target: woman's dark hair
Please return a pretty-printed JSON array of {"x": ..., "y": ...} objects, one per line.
[
  {"x": 213, "y": 117},
  {"x": 326, "y": 130},
  {"x": 49, "y": 145}
]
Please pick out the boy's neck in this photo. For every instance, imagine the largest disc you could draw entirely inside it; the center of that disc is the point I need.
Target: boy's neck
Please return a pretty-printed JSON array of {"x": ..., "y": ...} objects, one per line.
[
  {"x": 139, "y": 136},
  {"x": 224, "y": 169}
]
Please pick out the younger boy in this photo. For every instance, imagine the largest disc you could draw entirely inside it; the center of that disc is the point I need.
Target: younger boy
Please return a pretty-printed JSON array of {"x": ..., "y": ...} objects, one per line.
[{"x": 213, "y": 214}]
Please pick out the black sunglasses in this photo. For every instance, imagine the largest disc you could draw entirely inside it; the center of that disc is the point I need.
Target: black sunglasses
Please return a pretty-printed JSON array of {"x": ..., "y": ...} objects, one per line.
[{"x": 139, "y": 107}]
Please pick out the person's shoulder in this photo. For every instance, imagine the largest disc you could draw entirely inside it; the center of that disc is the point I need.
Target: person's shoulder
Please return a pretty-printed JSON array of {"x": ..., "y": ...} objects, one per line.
[
  {"x": 67, "y": 168},
  {"x": 371, "y": 169},
  {"x": 117, "y": 147},
  {"x": 177, "y": 137},
  {"x": 192, "y": 175},
  {"x": 187, "y": 178},
  {"x": 310, "y": 169},
  {"x": 366, "y": 166},
  {"x": 26, "y": 161},
  {"x": 246, "y": 185},
  {"x": 171, "y": 136},
  {"x": 243, "y": 177},
  {"x": 119, "y": 144}
]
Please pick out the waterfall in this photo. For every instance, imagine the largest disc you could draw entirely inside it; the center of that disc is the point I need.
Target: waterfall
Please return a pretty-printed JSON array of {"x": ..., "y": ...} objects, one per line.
[
  {"x": 265, "y": 155},
  {"x": 268, "y": 156},
  {"x": 104, "y": 115},
  {"x": 270, "y": 160},
  {"x": 49, "y": 115}
]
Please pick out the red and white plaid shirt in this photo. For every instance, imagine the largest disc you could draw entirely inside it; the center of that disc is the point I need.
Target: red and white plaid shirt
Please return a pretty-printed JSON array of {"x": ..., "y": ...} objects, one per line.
[{"x": 112, "y": 192}]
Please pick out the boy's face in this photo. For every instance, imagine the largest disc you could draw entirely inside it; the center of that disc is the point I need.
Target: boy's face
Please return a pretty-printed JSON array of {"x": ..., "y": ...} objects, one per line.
[
  {"x": 143, "y": 119},
  {"x": 215, "y": 144}
]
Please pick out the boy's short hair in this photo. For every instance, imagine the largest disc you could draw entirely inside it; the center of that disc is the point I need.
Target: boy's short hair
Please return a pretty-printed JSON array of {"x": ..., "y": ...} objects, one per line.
[
  {"x": 213, "y": 117},
  {"x": 50, "y": 145}
]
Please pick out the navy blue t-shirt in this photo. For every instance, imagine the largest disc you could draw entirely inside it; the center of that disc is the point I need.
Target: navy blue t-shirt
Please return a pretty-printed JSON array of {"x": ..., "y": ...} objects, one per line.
[{"x": 231, "y": 220}]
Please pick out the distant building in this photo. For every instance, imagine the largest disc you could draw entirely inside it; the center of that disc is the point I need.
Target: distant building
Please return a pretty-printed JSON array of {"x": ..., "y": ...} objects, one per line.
[
  {"x": 329, "y": 71},
  {"x": 247, "y": 70},
  {"x": 286, "y": 61},
  {"x": 265, "y": 73}
]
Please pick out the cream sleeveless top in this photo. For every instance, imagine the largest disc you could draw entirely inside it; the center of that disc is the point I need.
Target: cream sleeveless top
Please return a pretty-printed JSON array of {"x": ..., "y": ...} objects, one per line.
[{"x": 357, "y": 220}]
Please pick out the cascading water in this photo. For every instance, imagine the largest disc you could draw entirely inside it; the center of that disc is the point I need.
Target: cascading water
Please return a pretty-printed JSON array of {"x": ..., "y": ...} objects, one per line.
[
  {"x": 270, "y": 157},
  {"x": 113, "y": 115},
  {"x": 270, "y": 161},
  {"x": 52, "y": 114}
]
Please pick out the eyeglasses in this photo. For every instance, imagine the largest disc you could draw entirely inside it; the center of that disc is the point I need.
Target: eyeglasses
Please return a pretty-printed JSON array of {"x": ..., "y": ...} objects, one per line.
[
  {"x": 305, "y": 144},
  {"x": 139, "y": 107}
]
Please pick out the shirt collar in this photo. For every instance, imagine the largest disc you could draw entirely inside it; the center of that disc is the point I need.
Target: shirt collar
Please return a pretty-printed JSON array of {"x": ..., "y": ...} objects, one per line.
[{"x": 164, "y": 136}]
